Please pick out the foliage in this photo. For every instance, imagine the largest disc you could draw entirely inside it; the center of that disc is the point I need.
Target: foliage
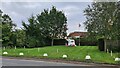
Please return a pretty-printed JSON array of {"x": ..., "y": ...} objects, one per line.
[
  {"x": 7, "y": 28},
  {"x": 48, "y": 24},
  {"x": 102, "y": 19},
  {"x": 34, "y": 36},
  {"x": 20, "y": 38},
  {"x": 53, "y": 23}
]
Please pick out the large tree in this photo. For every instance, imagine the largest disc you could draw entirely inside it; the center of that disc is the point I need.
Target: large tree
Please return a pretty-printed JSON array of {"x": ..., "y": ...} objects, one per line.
[
  {"x": 102, "y": 20},
  {"x": 48, "y": 24},
  {"x": 19, "y": 37},
  {"x": 34, "y": 34},
  {"x": 54, "y": 23},
  {"x": 7, "y": 28},
  {"x": 0, "y": 27}
]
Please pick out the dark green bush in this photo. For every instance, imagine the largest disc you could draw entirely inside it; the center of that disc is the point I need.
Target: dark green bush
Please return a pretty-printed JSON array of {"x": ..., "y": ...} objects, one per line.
[{"x": 87, "y": 41}]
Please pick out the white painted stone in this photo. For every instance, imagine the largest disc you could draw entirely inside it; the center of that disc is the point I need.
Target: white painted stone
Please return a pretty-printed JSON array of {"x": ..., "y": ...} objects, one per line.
[
  {"x": 87, "y": 57},
  {"x": 45, "y": 54},
  {"x": 64, "y": 56},
  {"x": 111, "y": 53},
  {"x": 15, "y": 47},
  {"x": 21, "y": 53},
  {"x": 57, "y": 50},
  {"x": 3, "y": 48},
  {"x": 107, "y": 51},
  {"x": 5, "y": 53},
  {"x": 117, "y": 59}
]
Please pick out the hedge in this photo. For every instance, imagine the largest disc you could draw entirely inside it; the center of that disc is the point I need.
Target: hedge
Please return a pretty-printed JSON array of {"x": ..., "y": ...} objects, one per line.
[{"x": 63, "y": 41}]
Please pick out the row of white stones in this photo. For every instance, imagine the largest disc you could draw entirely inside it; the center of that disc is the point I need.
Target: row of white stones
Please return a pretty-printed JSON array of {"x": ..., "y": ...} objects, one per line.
[{"x": 64, "y": 56}]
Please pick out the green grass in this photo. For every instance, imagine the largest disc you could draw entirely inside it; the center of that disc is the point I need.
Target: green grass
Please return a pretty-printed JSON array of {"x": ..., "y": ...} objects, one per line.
[
  {"x": 74, "y": 53},
  {"x": 0, "y": 51}
]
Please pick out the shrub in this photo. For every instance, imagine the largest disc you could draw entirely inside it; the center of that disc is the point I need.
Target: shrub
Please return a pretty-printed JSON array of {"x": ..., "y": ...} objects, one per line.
[
  {"x": 56, "y": 42},
  {"x": 86, "y": 41}
]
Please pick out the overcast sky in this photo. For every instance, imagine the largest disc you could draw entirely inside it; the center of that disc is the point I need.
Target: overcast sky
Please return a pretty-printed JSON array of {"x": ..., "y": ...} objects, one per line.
[{"x": 21, "y": 11}]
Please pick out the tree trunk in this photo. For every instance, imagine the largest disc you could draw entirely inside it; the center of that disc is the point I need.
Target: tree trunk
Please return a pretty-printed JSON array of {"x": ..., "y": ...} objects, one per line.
[
  {"x": 52, "y": 42},
  {"x": 105, "y": 47}
]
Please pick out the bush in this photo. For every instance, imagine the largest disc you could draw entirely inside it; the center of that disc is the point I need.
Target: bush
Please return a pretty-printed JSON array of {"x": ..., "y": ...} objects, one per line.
[
  {"x": 86, "y": 42},
  {"x": 33, "y": 42},
  {"x": 113, "y": 45},
  {"x": 56, "y": 42},
  {"x": 83, "y": 42}
]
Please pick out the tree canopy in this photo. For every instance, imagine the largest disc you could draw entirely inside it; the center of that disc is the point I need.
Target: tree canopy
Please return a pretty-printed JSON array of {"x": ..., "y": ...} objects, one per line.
[
  {"x": 7, "y": 28},
  {"x": 102, "y": 19},
  {"x": 49, "y": 24}
]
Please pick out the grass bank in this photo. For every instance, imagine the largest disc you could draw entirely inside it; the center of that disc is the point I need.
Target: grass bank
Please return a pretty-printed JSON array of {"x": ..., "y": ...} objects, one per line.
[{"x": 74, "y": 53}]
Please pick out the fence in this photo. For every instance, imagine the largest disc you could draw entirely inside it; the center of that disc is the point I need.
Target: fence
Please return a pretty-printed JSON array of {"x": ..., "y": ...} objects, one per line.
[{"x": 63, "y": 41}]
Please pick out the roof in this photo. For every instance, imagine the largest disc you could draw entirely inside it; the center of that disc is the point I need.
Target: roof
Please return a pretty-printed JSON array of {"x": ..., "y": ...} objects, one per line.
[{"x": 81, "y": 34}]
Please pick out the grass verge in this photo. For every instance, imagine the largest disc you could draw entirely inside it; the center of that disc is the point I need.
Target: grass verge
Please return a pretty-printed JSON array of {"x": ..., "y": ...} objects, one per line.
[{"x": 74, "y": 53}]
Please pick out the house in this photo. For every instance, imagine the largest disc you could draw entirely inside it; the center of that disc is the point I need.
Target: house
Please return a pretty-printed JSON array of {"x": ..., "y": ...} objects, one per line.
[{"x": 78, "y": 34}]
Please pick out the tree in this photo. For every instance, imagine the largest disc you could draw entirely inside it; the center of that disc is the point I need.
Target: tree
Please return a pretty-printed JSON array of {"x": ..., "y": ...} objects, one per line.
[
  {"x": 34, "y": 36},
  {"x": 20, "y": 36},
  {"x": 49, "y": 24},
  {"x": 53, "y": 22},
  {"x": 7, "y": 28},
  {"x": 0, "y": 27},
  {"x": 102, "y": 20}
]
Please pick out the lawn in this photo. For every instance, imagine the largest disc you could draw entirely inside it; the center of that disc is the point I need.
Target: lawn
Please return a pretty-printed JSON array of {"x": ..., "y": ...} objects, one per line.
[
  {"x": 0, "y": 51},
  {"x": 74, "y": 53}
]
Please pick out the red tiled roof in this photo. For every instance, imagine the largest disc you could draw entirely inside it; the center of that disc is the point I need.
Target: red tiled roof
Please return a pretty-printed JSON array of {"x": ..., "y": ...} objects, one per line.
[{"x": 82, "y": 34}]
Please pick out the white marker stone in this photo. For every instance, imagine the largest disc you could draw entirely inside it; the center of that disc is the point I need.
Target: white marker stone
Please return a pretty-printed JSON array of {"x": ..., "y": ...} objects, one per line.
[
  {"x": 15, "y": 47},
  {"x": 111, "y": 53},
  {"x": 64, "y": 56},
  {"x": 5, "y": 53},
  {"x": 117, "y": 59},
  {"x": 45, "y": 54},
  {"x": 21, "y": 53},
  {"x": 4, "y": 48},
  {"x": 87, "y": 57},
  {"x": 57, "y": 50},
  {"x": 107, "y": 51}
]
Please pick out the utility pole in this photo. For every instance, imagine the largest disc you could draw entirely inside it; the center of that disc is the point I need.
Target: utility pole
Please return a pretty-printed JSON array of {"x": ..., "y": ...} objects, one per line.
[
  {"x": 79, "y": 35},
  {"x": 79, "y": 41}
]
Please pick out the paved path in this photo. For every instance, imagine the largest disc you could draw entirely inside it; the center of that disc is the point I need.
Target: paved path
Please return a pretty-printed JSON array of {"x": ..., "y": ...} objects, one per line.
[{"x": 24, "y": 62}]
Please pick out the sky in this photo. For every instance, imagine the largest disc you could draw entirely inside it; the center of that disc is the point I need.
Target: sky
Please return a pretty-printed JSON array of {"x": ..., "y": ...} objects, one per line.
[{"x": 21, "y": 11}]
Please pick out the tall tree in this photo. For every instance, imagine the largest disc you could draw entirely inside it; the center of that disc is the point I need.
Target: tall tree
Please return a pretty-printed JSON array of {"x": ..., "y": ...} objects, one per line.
[
  {"x": 1, "y": 27},
  {"x": 7, "y": 28},
  {"x": 102, "y": 19},
  {"x": 48, "y": 24},
  {"x": 54, "y": 23},
  {"x": 19, "y": 37},
  {"x": 34, "y": 36}
]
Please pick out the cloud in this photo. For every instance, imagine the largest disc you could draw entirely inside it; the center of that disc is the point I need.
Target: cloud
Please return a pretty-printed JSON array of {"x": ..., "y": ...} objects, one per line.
[
  {"x": 50, "y": 0},
  {"x": 70, "y": 10},
  {"x": 21, "y": 11},
  {"x": 31, "y": 5}
]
